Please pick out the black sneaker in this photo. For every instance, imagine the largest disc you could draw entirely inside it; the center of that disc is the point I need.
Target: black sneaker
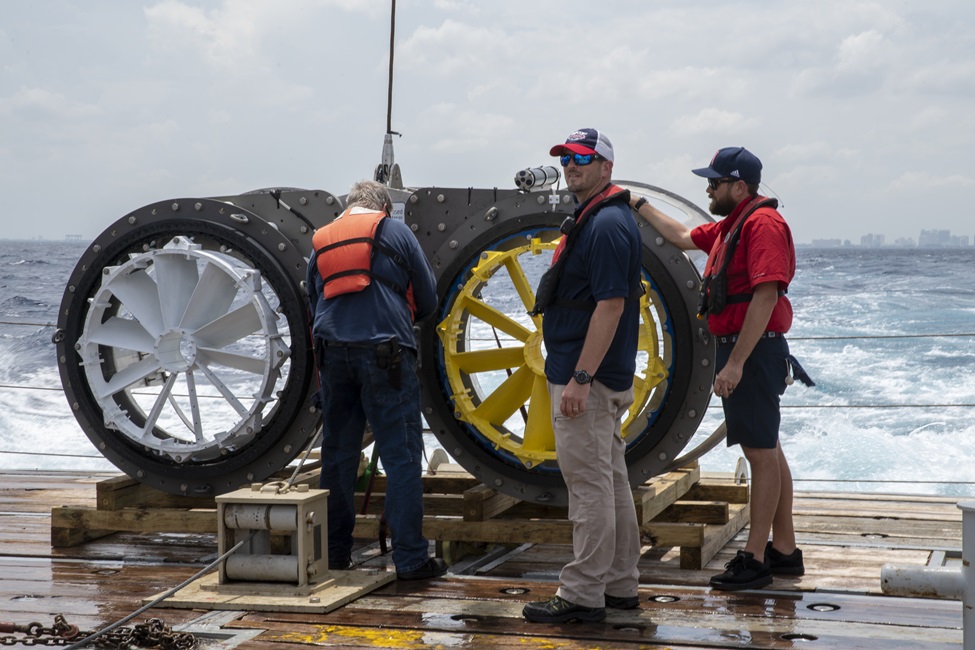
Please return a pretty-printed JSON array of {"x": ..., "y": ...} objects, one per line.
[
  {"x": 434, "y": 567},
  {"x": 558, "y": 610},
  {"x": 781, "y": 564},
  {"x": 339, "y": 565},
  {"x": 622, "y": 602},
  {"x": 743, "y": 572}
]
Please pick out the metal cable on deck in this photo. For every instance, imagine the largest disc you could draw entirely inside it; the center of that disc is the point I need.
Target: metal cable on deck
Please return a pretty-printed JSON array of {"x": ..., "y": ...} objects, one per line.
[{"x": 155, "y": 601}]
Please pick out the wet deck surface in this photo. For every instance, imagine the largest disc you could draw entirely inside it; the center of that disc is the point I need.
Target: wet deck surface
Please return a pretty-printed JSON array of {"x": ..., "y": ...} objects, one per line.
[{"x": 846, "y": 539}]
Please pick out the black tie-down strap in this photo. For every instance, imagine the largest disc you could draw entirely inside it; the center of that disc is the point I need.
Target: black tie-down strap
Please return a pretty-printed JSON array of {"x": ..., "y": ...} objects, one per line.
[{"x": 796, "y": 371}]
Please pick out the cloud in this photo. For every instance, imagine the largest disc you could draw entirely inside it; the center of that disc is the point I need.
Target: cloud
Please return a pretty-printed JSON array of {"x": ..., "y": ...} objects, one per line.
[
  {"x": 226, "y": 38},
  {"x": 713, "y": 120},
  {"x": 860, "y": 52},
  {"x": 192, "y": 97},
  {"x": 37, "y": 104},
  {"x": 234, "y": 37},
  {"x": 944, "y": 77},
  {"x": 859, "y": 67},
  {"x": 461, "y": 130},
  {"x": 914, "y": 182},
  {"x": 814, "y": 151}
]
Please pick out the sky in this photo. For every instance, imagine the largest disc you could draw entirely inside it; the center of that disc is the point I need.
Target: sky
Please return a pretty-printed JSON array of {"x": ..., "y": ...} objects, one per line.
[{"x": 861, "y": 112}]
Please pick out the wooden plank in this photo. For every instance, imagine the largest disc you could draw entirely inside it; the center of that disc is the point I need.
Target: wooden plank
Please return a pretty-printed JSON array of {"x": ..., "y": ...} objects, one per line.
[
  {"x": 698, "y": 512},
  {"x": 123, "y": 492},
  {"x": 715, "y": 538},
  {"x": 712, "y": 490},
  {"x": 446, "y": 483},
  {"x": 482, "y": 502},
  {"x": 674, "y": 534},
  {"x": 457, "y": 530},
  {"x": 340, "y": 588},
  {"x": 68, "y": 524},
  {"x": 667, "y": 489},
  {"x": 433, "y": 504},
  {"x": 871, "y": 527}
]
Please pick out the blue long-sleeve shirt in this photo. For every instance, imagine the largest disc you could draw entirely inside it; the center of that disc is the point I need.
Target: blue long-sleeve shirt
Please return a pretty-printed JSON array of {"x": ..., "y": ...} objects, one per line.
[{"x": 377, "y": 312}]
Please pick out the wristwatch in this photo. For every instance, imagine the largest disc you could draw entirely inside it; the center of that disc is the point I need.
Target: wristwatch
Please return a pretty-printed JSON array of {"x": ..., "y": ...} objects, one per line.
[
  {"x": 639, "y": 203},
  {"x": 582, "y": 377}
]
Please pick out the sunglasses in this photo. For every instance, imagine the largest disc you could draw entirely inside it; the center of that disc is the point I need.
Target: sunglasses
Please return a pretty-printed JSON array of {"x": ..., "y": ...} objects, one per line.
[
  {"x": 581, "y": 159},
  {"x": 713, "y": 183}
]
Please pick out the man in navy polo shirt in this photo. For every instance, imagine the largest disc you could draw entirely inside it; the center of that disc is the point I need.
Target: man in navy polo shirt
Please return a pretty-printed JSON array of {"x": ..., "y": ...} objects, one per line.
[{"x": 591, "y": 331}]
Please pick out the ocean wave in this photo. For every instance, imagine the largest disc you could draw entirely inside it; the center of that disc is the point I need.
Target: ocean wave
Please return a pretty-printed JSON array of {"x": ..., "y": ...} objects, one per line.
[{"x": 847, "y": 433}]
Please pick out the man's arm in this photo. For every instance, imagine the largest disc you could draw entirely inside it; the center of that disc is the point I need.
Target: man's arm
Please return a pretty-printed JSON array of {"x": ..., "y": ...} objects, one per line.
[
  {"x": 310, "y": 280},
  {"x": 424, "y": 284},
  {"x": 669, "y": 228},
  {"x": 599, "y": 336},
  {"x": 764, "y": 297}
]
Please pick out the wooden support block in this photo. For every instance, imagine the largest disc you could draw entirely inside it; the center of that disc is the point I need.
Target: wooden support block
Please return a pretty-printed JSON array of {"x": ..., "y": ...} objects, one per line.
[
  {"x": 94, "y": 523},
  {"x": 718, "y": 490},
  {"x": 507, "y": 531},
  {"x": 482, "y": 502},
  {"x": 124, "y": 492},
  {"x": 446, "y": 483},
  {"x": 436, "y": 505},
  {"x": 674, "y": 534},
  {"x": 666, "y": 489},
  {"x": 715, "y": 538},
  {"x": 698, "y": 512},
  {"x": 121, "y": 492},
  {"x": 68, "y": 529}
]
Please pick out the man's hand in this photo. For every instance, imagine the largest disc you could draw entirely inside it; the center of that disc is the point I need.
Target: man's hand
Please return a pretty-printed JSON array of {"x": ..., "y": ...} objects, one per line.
[
  {"x": 574, "y": 399},
  {"x": 726, "y": 380}
]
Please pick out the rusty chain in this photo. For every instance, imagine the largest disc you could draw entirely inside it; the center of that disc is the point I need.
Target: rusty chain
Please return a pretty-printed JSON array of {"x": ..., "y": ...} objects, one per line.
[{"x": 154, "y": 633}]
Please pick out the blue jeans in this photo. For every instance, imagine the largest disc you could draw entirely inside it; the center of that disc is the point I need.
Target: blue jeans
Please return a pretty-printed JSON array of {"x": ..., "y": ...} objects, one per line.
[{"x": 355, "y": 390}]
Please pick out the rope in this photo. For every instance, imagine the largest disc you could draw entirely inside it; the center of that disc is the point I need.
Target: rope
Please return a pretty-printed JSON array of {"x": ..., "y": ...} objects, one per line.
[
  {"x": 9, "y": 322},
  {"x": 389, "y": 96},
  {"x": 40, "y": 453},
  {"x": 880, "y": 480},
  {"x": 879, "y": 336}
]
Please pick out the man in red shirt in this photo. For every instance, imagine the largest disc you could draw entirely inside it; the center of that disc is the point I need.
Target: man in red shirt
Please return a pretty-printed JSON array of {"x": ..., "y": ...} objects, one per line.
[{"x": 751, "y": 260}]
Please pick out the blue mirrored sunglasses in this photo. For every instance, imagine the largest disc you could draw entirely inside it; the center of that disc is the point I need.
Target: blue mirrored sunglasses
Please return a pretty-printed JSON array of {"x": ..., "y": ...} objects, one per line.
[{"x": 581, "y": 159}]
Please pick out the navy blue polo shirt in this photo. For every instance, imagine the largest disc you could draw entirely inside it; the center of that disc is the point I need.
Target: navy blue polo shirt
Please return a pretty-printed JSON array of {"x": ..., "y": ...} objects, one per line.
[
  {"x": 377, "y": 312},
  {"x": 605, "y": 263}
]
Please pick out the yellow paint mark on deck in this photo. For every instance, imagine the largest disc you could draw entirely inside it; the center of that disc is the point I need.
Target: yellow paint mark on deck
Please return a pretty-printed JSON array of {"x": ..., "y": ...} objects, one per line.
[{"x": 407, "y": 639}]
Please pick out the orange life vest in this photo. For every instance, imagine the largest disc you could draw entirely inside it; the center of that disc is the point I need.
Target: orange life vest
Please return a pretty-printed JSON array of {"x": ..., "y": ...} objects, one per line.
[{"x": 344, "y": 250}]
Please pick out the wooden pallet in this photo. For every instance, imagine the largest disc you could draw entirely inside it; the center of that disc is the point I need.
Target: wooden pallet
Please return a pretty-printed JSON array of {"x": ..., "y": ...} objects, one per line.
[{"x": 677, "y": 509}]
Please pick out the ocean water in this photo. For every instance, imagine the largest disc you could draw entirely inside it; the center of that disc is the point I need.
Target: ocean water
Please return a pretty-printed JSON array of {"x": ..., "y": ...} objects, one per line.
[{"x": 888, "y": 336}]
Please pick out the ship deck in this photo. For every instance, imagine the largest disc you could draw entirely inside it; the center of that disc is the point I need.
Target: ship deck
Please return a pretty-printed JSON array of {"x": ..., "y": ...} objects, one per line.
[{"x": 846, "y": 538}]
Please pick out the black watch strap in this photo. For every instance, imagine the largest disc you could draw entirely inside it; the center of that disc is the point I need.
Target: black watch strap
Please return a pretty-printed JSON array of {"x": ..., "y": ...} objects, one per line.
[
  {"x": 582, "y": 377},
  {"x": 639, "y": 203}
]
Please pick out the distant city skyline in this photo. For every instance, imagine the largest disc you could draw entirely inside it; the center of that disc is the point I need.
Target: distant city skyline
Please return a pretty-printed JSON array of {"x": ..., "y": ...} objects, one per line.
[{"x": 927, "y": 238}]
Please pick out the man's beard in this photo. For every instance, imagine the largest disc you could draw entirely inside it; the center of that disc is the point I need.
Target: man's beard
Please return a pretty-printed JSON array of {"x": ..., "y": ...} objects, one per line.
[{"x": 722, "y": 207}]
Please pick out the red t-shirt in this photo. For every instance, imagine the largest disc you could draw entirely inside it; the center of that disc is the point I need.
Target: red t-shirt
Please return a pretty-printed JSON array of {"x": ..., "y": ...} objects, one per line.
[{"x": 765, "y": 253}]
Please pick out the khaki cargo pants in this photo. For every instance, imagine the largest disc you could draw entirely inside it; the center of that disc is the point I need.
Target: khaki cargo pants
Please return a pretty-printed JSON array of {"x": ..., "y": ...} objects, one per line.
[{"x": 605, "y": 533}]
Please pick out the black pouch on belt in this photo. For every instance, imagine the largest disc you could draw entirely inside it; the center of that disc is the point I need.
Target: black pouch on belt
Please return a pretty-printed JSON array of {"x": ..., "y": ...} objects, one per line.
[
  {"x": 389, "y": 356},
  {"x": 319, "y": 353}
]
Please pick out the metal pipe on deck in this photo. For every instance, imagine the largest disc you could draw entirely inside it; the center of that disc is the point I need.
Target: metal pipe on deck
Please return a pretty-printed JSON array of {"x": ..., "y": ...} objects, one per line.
[{"x": 945, "y": 582}]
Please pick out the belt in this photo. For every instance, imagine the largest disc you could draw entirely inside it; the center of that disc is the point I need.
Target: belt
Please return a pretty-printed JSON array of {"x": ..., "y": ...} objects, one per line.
[
  {"x": 731, "y": 338},
  {"x": 342, "y": 344}
]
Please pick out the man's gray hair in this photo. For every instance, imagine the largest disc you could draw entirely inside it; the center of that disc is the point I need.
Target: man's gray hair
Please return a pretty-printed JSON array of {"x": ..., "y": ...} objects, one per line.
[{"x": 370, "y": 195}]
